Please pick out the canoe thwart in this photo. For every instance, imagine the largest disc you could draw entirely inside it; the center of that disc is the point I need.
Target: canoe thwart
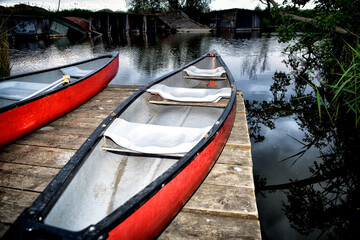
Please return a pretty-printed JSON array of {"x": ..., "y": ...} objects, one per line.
[
  {"x": 156, "y": 99},
  {"x": 111, "y": 146},
  {"x": 198, "y": 72},
  {"x": 156, "y": 139},
  {"x": 190, "y": 94},
  {"x": 205, "y": 78}
]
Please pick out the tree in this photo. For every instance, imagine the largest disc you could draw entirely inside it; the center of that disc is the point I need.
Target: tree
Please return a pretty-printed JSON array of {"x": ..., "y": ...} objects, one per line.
[
  {"x": 191, "y": 7},
  {"x": 325, "y": 40},
  {"x": 147, "y": 6}
]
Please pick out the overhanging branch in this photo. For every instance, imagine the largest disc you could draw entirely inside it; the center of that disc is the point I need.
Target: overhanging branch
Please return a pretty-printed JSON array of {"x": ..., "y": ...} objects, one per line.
[{"x": 337, "y": 29}]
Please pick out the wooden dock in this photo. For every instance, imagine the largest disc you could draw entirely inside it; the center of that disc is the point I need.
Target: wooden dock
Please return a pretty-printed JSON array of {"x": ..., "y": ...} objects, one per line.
[{"x": 223, "y": 207}]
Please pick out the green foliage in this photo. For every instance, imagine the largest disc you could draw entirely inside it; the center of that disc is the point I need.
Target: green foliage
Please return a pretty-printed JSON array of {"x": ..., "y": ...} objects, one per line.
[
  {"x": 327, "y": 45},
  {"x": 191, "y": 7},
  {"x": 83, "y": 13},
  {"x": 147, "y": 6},
  {"x": 23, "y": 9},
  {"x": 325, "y": 203},
  {"x": 347, "y": 88}
]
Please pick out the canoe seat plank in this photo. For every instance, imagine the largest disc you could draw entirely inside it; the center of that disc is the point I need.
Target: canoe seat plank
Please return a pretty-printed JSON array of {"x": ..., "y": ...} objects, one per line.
[
  {"x": 111, "y": 146},
  {"x": 193, "y": 71},
  {"x": 156, "y": 99},
  {"x": 201, "y": 95},
  {"x": 155, "y": 139},
  {"x": 205, "y": 78}
]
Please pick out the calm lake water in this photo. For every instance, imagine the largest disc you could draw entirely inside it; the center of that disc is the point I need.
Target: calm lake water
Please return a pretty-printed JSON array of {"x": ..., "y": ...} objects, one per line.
[{"x": 278, "y": 129}]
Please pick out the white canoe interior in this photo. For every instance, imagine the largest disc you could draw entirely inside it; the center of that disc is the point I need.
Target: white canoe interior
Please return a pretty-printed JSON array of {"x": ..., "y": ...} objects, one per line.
[
  {"x": 110, "y": 176},
  {"x": 20, "y": 88}
]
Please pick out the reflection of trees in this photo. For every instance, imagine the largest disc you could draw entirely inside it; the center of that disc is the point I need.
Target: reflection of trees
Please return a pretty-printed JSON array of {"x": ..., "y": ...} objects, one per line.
[
  {"x": 179, "y": 48},
  {"x": 266, "y": 112},
  {"x": 329, "y": 199},
  {"x": 258, "y": 61},
  {"x": 331, "y": 203}
]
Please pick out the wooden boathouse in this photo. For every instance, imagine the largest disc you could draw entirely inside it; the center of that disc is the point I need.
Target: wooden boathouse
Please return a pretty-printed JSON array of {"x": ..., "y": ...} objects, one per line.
[
  {"x": 235, "y": 20},
  {"x": 224, "y": 206}
]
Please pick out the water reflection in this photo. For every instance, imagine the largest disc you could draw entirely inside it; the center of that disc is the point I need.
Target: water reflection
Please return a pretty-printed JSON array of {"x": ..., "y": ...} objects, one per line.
[
  {"x": 321, "y": 202},
  {"x": 303, "y": 166}
]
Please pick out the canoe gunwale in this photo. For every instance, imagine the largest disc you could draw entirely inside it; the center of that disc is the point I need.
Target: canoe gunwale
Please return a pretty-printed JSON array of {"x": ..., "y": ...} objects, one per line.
[
  {"x": 20, "y": 103},
  {"x": 34, "y": 215}
]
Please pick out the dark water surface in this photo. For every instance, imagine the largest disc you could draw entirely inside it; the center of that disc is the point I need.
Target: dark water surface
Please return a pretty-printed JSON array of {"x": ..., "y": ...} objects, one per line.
[{"x": 278, "y": 129}]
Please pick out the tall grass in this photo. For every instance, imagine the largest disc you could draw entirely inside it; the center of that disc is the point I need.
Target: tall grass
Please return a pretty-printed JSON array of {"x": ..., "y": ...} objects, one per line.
[
  {"x": 4, "y": 52},
  {"x": 344, "y": 95},
  {"x": 347, "y": 88}
]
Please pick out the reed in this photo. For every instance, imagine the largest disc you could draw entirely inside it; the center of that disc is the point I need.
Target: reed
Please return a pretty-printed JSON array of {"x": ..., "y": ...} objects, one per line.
[
  {"x": 347, "y": 89},
  {"x": 344, "y": 93},
  {"x": 4, "y": 52}
]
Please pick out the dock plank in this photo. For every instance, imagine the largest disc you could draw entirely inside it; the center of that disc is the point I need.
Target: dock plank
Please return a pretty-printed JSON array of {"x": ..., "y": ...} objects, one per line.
[
  {"x": 13, "y": 202},
  {"x": 208, "y": 226},
  {"x": 35, "y": 155},
  {"x": 239, "y": 136},
  {"x": 223, "y": 200},
  {"x": 61, "y": 140},
  {"x": 26, "y": 177},
  {"x": 236, "y": 155},
  {"x": 231, "y": 175}
]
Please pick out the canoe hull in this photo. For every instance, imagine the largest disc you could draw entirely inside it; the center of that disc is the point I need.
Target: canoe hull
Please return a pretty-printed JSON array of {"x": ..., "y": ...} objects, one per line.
[
  {"x": 153, "y": 216},
  {"x": 26, "y": 118}
]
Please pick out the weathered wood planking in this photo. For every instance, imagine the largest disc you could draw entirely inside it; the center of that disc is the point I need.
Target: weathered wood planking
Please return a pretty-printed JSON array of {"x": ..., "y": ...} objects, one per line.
[
  {"x": 223, "y": 207},
  {"x": 188, "y": 225}
]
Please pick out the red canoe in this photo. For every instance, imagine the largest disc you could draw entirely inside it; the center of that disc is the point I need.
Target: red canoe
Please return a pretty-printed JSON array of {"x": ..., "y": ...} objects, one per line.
[
  {"x": 31, "y": 100},
  {"x": 141, "y": 165}
]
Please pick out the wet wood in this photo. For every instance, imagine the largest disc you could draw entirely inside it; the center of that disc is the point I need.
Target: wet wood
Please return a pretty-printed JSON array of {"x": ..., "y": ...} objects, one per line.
[{"x": 223, "y": 207}]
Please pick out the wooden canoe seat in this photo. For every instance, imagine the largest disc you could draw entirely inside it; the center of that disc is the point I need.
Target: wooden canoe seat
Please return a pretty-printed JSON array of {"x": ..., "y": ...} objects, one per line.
[
  {"x": 156, "y": 99},
  {"x": 201, "y": 95},
  {"x": 154, "y": 139},
  {"x": 75, "y": 72},
  {"x": 111, "y": 146},
  {"x": 193, "y": 72}
]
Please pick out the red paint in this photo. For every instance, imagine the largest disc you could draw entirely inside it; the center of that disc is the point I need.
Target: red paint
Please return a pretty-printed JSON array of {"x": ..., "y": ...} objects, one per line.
[
  {"x": 153, "y": 216},
  {"x": 24, "y": 119}
]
